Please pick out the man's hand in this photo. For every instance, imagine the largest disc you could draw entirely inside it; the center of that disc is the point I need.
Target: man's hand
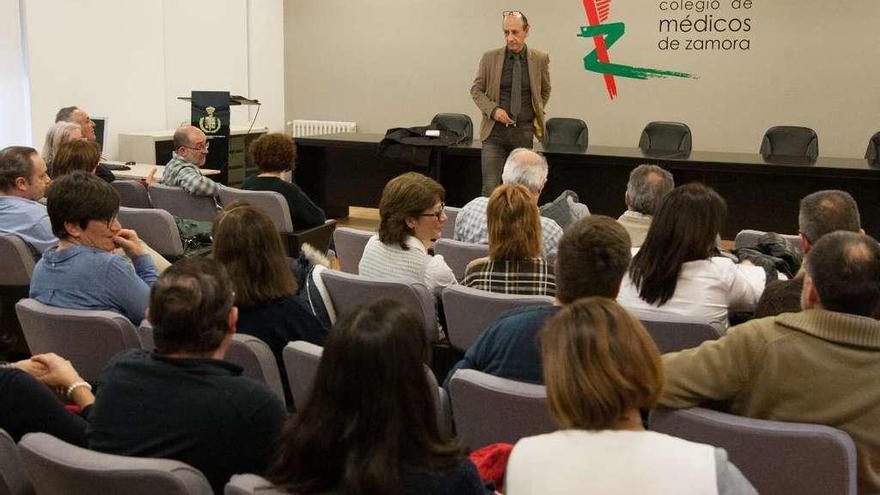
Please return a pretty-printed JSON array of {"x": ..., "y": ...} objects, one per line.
[
  {"x": 500, "y": 115},
  {"x": 128, "y": 240},
  {"x": 151, "y": 177}
]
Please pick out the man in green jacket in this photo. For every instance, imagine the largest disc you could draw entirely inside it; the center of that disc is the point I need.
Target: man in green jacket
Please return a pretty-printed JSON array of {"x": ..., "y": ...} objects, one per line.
[{"x": 821, "y": 365}]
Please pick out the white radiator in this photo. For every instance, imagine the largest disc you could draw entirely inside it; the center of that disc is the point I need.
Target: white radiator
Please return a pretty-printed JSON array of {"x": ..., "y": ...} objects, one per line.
[{"x": 299, "y": 128}]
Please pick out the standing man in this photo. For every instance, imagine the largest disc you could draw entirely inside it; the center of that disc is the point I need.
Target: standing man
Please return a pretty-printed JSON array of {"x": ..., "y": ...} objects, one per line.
[
  {"x": 79, "y": 116},
  {"x": 511, "y": 88}
]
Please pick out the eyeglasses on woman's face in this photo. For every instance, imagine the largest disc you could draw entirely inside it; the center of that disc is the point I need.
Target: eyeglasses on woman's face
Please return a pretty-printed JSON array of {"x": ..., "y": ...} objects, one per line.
[{"x": 439, "y": 214}]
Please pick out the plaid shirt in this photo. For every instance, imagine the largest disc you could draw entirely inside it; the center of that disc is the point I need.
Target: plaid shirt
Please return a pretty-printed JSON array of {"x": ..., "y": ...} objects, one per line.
[
  {"x": 530, "y": 277},
  {"x": 181, "y": 173},
  {"x": 471, "y": 225}
]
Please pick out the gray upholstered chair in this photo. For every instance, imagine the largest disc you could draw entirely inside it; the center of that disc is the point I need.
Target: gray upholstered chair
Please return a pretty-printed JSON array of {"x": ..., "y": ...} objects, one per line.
[
  {"x": 253, "y": 355},
  {"x": 749, "y": 238},
  {"x": 178, "y": 202},
  {"x": 469, "y": 311},
  {"x": 666, "y": 136},
  {"x": 348, "y": 291},
  {"x": 873, "y": 151},
  {"x": 458, "y": 254},
  {"x": 15, "y": 281},
  {"x": 12, "y": 478},
  {"x": 566, "y": 132},
  {"x": 252, "y": 484},
  {"x": 349, "y": 244},
  {"x": 88, "y": 338},
  {"x": 790, "y": 141},
  {"x": 154, "y": 226},
  {"x": 457, "y": 122},
  {"x": 672, "y": 336},
  {"x": 56, "y": 467},
  {"x": 775, "y": 456},
  {"x": 132, "y": 194},
  {"x": 448, "y": 231},
  {"x": 488, "y": 409}
]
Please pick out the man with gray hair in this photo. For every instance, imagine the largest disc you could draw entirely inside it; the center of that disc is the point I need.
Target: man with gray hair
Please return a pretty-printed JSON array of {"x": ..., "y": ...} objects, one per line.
[
  {"x": 190, "y": 153},
  {"x": 645, "y": 190},
  {"x": 523, "y": 167},
  {"x": 821, "y": 213},
  {"x": 80, "y": 117}
]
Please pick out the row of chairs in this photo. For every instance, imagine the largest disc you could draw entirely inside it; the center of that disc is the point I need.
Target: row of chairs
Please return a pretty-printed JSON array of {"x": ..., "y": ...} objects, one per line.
[{"x": 672, "y": 137}]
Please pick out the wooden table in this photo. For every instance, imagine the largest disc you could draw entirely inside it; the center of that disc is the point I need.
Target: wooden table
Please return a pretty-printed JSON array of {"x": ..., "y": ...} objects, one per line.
[{"x": 142, "y": 170}]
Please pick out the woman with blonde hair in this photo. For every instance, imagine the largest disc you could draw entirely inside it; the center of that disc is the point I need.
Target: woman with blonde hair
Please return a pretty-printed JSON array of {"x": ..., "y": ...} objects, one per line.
[
  {"x": 515, "y": 264},
  {"x": 601, "y": 368},
  {"x": 58, "y": 134}
]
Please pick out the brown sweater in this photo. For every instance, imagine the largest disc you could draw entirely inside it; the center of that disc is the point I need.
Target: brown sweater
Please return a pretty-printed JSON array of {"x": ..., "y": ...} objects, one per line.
[{"x": 815, "y": 366}]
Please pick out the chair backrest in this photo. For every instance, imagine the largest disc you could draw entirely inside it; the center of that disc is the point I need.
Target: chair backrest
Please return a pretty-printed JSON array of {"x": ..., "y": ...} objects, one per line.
[
  {"x": 666, "y": 136},
  {"x": 132, "y": 194},
  {"x": 88, "y": 338},
  {"x": 154, "y": 226},
  {"x": 256, "y": 360},
  {"x": 448, "y": 231},
  {"x": 776, "y": 457},
  {"x": 672, "y": 336},
  {"x": 458, "y": 254},
  {"x": 790, "y": 141},
  {"x": 350, "y": 244},
  {"x": 488, "y": 409},
  {"x": 12, "y": 478},
  {"x": 348, "y": 291},
  {"x": 271, "y": 202},
  {"x": 18, "y": 261},
  {"x": 56, "y": 467},
  {"x": 301, "y": 360},
  {"x": 178, "y": 202},
  {"x": 252, "y": 484},
  {"x": 566, "y": 132},
  {"x": 749, "y": 238},
  {"x": 469, "y": 311},
  {"x": 457, "y": 122},
  {"x": 873, "y": 151}
]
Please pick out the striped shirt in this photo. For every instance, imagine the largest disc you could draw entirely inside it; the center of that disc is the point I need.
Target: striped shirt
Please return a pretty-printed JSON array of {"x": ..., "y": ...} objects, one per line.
[
  {"x": 472, "y": 225},
  {"x": 525, "y": 277},
  {"x": 382, "y": 261},
  {"x": 181, "y": 173}
]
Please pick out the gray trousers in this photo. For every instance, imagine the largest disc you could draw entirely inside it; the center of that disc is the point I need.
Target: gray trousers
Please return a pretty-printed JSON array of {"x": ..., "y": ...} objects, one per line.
[{"x": 497, "y": 146}]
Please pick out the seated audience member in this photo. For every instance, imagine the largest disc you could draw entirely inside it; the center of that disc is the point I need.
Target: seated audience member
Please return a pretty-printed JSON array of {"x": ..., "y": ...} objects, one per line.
[
  {"x": 593, "y": 256},
  {"x": 410, "y": 218},
  {"x": 87, "y": 127},
  {"x": 23, "y": 181},
  {"x": 817, "y": 366},
  {"x": 515, "y": 264},
  {"x": 183, "y": 401},
  {"x": 76, "y": 155},
  {"x": 645, "y": 190},
  {"x": 58, "y": 134},
  {"x": 523, "y": 167},
  {"x": 369, "y": 426},
  {"x": 249, "y": 246},
  {"x": 676, "y": 273},
  {"x": 274, "y": 154},
  {"x": 82, "y": 272},
  {"x": 601, "y": 368},
  {"x": 30, "y": 406},
  {"x": 821, "y": 213},
  {"x": 190, "y": 153}
]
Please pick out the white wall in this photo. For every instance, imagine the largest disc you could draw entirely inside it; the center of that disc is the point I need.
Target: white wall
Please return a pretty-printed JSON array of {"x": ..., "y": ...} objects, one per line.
[
  {"x": 14, "y": 122},
  {"x": 398, "y": 62},
  {"x": 129, "y": 60}
]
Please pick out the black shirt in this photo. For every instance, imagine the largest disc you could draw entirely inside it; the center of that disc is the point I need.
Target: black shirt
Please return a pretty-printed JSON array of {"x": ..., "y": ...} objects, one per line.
[
  {"x": 198, "y": 411},
  {"x": 527, "y": 112},
  {"x": 29, "y": 406},
  {"x": 461, "y": 480},
  {"x": 303, "y": 212}
]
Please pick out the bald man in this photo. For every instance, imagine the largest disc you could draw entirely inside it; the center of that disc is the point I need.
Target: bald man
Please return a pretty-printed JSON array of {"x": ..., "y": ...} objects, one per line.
[{"x": 190, "y": 153}]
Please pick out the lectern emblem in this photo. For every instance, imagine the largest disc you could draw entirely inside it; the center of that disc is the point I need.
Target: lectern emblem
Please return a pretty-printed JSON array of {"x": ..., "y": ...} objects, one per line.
[{"x": 209, "y": 123}]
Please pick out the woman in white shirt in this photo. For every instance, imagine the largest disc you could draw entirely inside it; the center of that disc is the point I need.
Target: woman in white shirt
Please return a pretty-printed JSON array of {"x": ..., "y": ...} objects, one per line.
[
  {"x": 676, "y": 273},
  {"x": 411, "y": 217},
  {"x": 600, "y": 368}
]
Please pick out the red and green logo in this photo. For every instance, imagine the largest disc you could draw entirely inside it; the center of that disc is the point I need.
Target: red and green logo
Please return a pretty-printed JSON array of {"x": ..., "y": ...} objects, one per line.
[{"x": 604, "y": 35}]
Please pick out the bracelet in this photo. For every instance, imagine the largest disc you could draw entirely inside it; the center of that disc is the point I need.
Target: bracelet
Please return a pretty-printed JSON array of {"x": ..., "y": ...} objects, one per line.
[{"x": 75, "y": 385}]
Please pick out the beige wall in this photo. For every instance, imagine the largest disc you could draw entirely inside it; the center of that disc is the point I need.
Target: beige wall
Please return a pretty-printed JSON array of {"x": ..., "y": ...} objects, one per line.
[{"x": 398, "y": 62}]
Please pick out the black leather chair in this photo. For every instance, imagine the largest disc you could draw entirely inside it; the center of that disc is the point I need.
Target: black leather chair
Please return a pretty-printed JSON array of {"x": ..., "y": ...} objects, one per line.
[
  {"x": 457, "y": 122},
  {"x": 790, "y": 141},
  {"x": 873, "y": 151},
  {"x": 666, "y": 136},
  {"x": 566, "y": 132}
]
